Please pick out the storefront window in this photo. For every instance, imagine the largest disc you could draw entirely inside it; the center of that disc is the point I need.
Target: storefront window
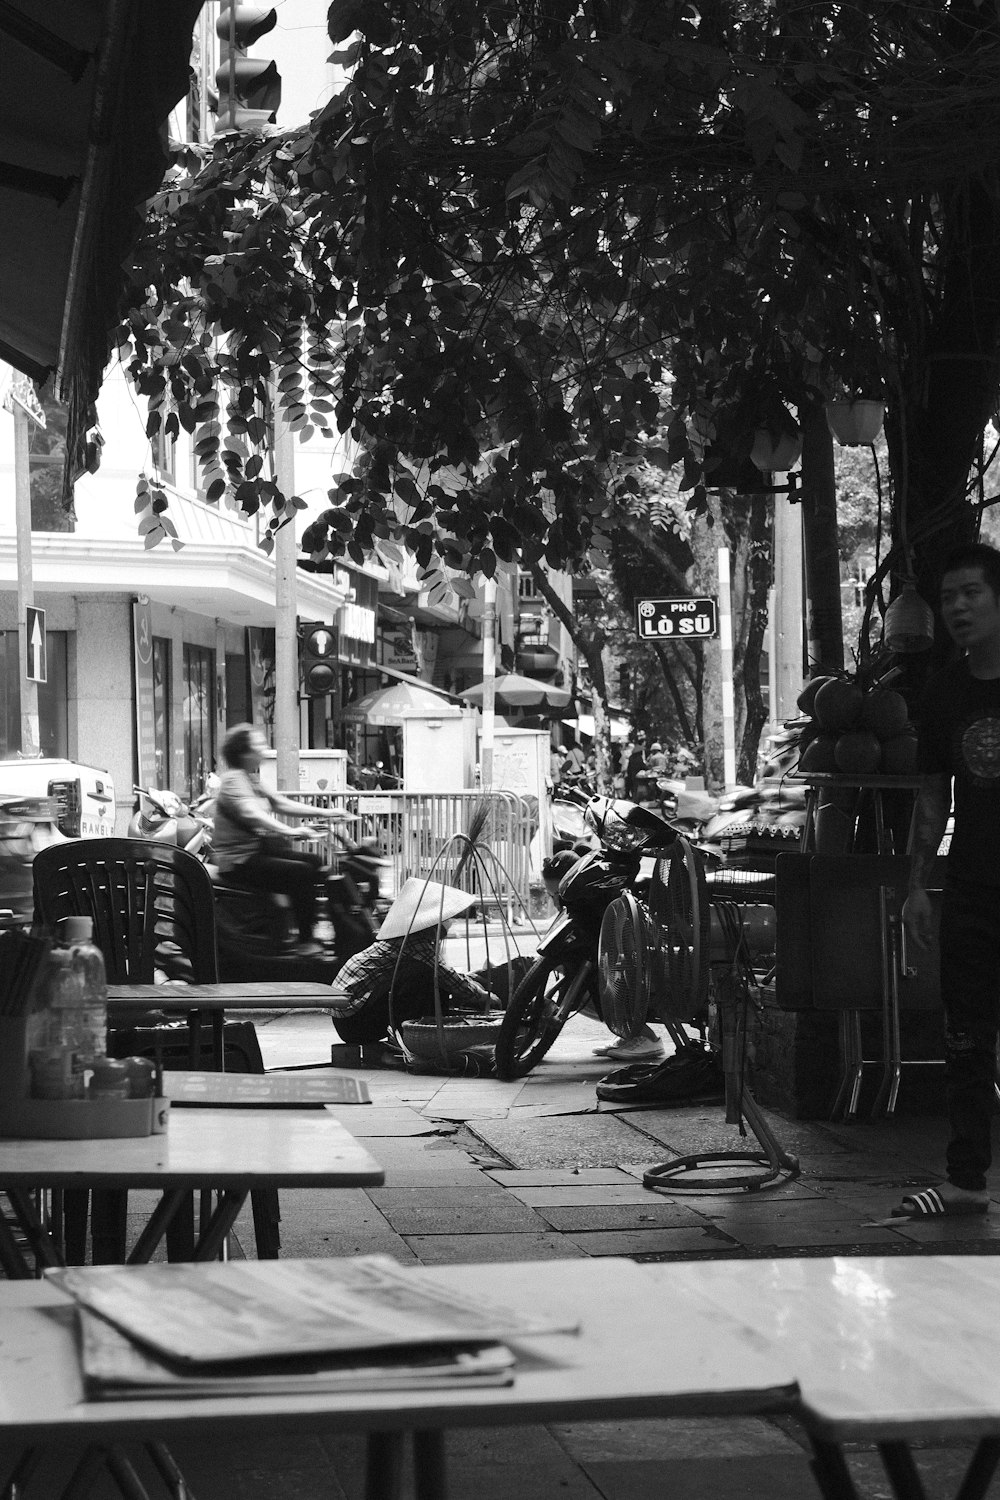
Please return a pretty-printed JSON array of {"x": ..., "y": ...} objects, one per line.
[
  {"x": 199, "y": 717},
  {"x": 53, "y": 734},
  {"x": 161, "y": 709}
]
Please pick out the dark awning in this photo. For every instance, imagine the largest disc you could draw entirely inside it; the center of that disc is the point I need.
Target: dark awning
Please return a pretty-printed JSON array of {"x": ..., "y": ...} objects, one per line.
[{"x": 85, "y": 89}]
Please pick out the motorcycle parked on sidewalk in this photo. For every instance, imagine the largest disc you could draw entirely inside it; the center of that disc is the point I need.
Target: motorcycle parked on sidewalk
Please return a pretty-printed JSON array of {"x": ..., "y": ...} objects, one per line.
[{"x": 564, "y": 975}]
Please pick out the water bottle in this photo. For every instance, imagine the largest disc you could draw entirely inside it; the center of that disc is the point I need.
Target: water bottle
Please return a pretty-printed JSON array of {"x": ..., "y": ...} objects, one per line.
[
  {"x": 87, "y": 961},
  {"x": 69, "y": 1029},
  {"x": 55, "y": 1053}
]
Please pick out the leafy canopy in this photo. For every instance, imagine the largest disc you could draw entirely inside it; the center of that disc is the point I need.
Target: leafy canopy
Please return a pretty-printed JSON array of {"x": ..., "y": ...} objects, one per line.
[{"x": 516, "y": 218}]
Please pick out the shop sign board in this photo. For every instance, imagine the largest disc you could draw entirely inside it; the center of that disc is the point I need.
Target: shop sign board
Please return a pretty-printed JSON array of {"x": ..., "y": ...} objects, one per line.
[
  {"x": 677, "y": 619},
  {"x": 145, "y": 697}
]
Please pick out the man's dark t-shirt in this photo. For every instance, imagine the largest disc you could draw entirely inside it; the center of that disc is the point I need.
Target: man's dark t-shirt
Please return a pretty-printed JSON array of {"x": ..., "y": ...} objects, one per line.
[{"x": 960, "y": 737}]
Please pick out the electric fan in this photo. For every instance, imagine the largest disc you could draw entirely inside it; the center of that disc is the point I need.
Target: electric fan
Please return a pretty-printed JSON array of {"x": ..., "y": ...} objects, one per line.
[
  {"x": 623, "y": 949},
  {"x": 630, "y": 970}
]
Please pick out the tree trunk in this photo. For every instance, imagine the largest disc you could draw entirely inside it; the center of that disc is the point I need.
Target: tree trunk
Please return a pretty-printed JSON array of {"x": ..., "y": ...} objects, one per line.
[
  {"x": 752, "y": 551},
  {"x": 819, "y": 518},
  {"x": 590, "y": 644},
  {"x": 948, "y": 390}
]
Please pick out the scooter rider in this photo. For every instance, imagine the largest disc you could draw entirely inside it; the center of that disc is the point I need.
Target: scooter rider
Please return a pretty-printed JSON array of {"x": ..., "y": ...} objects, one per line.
[{"x": 250, "y": 842}]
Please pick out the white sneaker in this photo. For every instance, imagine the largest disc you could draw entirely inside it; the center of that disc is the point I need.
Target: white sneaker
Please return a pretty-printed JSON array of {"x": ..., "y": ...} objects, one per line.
[{"x": 640, "y": 1048}]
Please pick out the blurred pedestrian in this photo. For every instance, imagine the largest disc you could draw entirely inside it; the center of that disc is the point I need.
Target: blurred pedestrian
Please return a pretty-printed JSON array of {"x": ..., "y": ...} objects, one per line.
[
  {"x": 634, "y": 766},
  {"x": 657, "y": 762}
]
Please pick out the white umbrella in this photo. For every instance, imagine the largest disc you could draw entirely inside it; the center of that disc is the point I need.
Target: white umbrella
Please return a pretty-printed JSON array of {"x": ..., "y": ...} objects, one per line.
[
  {"x": 392, "y": 705},
  {"x": 520, "y": 692}
]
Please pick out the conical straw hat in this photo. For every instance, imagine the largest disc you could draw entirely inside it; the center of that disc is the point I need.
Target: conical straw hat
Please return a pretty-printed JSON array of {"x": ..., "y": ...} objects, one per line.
[{"x": 422, "y": 904}]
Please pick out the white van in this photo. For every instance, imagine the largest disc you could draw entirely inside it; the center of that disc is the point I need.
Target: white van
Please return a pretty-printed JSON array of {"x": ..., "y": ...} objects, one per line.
[
  {"x": 42, "y": 802},
  {"x": 85, "y": 794}
]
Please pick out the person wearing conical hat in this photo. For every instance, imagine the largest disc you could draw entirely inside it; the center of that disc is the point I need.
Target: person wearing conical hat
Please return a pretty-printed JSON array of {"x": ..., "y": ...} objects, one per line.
[{"x": 404, "y": 959}]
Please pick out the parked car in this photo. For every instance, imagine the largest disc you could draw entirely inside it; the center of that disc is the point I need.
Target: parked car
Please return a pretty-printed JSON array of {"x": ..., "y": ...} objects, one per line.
[{"x": 42, "y": 802}]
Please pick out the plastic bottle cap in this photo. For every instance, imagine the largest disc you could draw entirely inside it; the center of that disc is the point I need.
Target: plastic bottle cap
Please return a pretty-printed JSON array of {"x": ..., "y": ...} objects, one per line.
[{"x": 76, "y": 929}]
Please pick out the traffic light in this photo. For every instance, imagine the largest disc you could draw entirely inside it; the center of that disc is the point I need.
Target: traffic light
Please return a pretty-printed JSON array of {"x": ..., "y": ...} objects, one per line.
[
  {"x": 249, "y": 87},
  {"x": 319, "y": 659}
]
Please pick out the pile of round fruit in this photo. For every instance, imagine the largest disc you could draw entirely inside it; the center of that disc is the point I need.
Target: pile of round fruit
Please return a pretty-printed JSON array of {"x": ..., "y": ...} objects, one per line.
[{"x": 855, "y": 731}]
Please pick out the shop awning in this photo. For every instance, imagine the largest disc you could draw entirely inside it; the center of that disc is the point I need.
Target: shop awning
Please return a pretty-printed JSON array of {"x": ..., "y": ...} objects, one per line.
[
  {"x": 584, "y": 724},
  {"x": 87, "y": 87}
]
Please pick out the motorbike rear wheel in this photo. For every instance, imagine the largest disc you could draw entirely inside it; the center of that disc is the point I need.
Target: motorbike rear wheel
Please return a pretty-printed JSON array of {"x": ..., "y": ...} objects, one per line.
[{"x": 538, "y": 1010}]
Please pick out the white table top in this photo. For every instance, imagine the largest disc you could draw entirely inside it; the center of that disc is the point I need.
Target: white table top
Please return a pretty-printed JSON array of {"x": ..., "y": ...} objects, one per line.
[
  {"x": 226, "y": 995},
  {"x": 639, "y": 1353},
  {"x": 883, "y": 1347},
  {"x": 216, "y": 1148},
  {"x": 304, "y": 1089}
]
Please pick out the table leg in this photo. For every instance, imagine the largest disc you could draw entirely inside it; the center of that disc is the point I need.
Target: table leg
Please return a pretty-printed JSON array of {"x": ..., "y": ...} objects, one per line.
[
  {"x": 34, "y": 1230},
  {"x": 213, "y": 1236},
  {"x": 123, "y": 1472},
  {"x": 902, "y": 1471},
  {"x": 166, "y": 1466},
  {"x": 219, "y": 1040},
  {"x": 845, "y": 1106},
  {"x": 194, "y": 1039},
  {"x": 16, "y": 1486},
  {"x": 830, "y": 1469},
  {"x": 13, "y": 1262},
  {"x": 168, "y": 1206},
  {"x": 429, "y": 1471},
  {"x": 86, "y": 1474},
  {"x": 384, "y": 1469},
  {"x": 980, "y": 1471}
]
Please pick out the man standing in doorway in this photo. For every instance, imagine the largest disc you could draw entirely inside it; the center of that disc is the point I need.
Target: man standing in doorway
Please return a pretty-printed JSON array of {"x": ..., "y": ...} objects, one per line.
[{"x": 960, "y": 744}]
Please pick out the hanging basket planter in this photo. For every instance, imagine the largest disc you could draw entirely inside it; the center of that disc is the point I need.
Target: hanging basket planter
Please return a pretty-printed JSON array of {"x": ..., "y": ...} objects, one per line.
[
  {"x": 909, "y": 622},
  {"x": 855, "y": 424},
  {"x": 774, "y": 453}
]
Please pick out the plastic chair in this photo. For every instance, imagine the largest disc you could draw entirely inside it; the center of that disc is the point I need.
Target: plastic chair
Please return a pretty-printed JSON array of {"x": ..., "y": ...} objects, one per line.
[
  {"x": 146, "y": 900},
  {"x": 143, "y": 897}
]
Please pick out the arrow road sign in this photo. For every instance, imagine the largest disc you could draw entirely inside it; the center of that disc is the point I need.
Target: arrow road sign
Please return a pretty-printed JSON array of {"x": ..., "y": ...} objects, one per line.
[
  {"x": 676, "y": 619},
  {"x": 36, "y": 668}
]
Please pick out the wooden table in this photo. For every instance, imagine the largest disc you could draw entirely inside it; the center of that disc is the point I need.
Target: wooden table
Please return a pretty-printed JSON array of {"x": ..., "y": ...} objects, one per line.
[
  {"x": 196, "y": 1000},
  {"x": 886, "y": 1350},
  {"x": 229, "y": 1152},
  {"x": 639, "y": 1353}
]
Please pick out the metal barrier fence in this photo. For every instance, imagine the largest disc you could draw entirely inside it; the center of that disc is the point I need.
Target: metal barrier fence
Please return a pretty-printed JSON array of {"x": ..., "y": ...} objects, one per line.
[{"x": 414, "y": 830}]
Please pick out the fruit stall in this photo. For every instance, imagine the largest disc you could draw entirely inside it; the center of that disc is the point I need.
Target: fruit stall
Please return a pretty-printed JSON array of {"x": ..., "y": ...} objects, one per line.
[{"x": 841, "y": 960}]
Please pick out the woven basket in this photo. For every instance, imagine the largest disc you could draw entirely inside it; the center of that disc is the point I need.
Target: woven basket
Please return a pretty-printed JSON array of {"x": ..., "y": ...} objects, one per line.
[{"x": 458, "y": 1031}]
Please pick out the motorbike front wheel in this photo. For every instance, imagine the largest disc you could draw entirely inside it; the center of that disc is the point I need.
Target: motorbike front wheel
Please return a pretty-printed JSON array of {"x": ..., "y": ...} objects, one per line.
[{"x": 538, "y": 1010}]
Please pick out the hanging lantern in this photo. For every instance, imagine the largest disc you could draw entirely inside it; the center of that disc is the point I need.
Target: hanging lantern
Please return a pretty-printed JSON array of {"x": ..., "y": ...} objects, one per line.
[
  {"x": 774, "y": 453},
  {"x": 909, "y": 622},
  {"x": 855, "y": 424}
]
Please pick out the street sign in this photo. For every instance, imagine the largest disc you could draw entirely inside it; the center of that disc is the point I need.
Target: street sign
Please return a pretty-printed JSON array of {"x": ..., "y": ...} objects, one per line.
[
  {"x": 676, "y": 619},
  {"x": 36, "y": 669}
]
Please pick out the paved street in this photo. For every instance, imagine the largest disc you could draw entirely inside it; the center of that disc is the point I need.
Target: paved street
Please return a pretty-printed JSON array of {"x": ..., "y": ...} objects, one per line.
[{"x": 482, "y": 1170}]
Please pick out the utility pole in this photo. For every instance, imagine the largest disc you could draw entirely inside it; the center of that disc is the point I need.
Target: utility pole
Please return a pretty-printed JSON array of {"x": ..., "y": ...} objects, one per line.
[
  {"x": 489, "y": 681},
  {"x": 24, "y": 406},
  {"x": 286, "y": 645}
]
